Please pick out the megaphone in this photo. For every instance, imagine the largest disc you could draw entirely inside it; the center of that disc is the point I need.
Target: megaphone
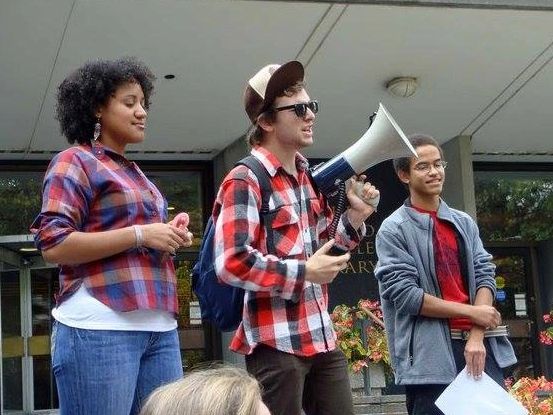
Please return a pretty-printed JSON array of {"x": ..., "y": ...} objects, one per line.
[{"x": 384, "y": 140}]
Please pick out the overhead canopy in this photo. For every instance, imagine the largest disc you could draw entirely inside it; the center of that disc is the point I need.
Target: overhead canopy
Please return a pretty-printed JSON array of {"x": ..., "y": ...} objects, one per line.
[{"x": 484, "y": 72}]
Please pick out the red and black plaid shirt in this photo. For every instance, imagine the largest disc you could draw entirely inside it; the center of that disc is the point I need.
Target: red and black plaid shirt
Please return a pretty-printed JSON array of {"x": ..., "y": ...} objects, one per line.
[
  {"x": 281, "y": 309},
  {"x": 95, "y": 189}
]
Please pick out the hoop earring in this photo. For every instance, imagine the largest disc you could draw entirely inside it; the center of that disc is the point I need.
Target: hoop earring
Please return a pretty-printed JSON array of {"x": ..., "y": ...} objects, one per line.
[{"x": 97, "y": 130}]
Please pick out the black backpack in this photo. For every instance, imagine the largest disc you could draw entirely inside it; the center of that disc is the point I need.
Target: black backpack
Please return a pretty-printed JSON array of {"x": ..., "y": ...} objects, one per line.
[{"x": 220, "y": 303}]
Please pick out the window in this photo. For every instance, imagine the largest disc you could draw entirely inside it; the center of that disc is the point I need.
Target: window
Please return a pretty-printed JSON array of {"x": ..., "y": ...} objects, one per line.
[
  {"x": 514, "y": 205},
  {"x": 20, "y": 200}
]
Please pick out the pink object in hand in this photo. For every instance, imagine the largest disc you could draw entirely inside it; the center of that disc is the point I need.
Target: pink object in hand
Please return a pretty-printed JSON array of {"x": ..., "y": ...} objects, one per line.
[{"x": 181, "y": 220}]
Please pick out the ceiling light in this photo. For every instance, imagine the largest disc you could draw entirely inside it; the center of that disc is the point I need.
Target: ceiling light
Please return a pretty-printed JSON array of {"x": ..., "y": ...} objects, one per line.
[{"x": 402, "y": 87}]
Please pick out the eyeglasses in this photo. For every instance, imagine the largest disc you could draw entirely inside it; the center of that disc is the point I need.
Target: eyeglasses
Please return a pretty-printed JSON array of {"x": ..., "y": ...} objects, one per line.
[
  {"x": 426, "y": 167},
  {"x": 301, "y": 108}
]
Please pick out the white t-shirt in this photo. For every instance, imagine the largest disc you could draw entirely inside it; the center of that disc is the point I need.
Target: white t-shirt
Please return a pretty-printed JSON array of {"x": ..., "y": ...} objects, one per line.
[{"x": 83, "y": 311}]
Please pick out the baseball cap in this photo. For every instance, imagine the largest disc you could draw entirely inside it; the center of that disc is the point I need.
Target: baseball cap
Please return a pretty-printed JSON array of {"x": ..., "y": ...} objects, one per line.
[{"x": 268, "y": 83}]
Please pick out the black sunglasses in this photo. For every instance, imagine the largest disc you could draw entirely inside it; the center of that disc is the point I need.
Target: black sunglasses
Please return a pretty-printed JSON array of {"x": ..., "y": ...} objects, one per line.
[{"x": 301, "y": 108}]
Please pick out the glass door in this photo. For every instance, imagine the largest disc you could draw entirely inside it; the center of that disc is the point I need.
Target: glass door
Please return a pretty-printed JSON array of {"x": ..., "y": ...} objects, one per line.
[
  {"x": 13, "y": 345},
  {"x": 516, "y": 301},
  {"x": 26, "y": 293},
  {"x": 43, "y": 285}
]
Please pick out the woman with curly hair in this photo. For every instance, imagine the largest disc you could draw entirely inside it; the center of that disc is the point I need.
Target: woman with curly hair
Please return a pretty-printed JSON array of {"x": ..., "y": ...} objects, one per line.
[{"x": 114, "y": 338}]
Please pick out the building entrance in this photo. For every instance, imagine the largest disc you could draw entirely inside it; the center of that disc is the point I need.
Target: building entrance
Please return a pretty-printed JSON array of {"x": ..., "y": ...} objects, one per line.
[
  {"x": 516, "y": 279},
  {"x": 27, "y": 286}
]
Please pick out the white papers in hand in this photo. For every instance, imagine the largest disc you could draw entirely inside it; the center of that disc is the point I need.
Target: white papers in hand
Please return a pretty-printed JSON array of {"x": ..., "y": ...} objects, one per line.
[{"x": 469, "y": 396}]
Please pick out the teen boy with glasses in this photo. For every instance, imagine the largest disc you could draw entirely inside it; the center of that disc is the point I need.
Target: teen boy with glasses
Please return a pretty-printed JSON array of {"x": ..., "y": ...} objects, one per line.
[
  {"x": 286, "y": 332},
  {"x": 437, "y": 287}
]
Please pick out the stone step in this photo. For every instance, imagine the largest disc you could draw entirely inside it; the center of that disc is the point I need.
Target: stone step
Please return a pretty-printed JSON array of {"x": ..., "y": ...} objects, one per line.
[
  {"x": 381, "y": 413},
  {"x": 397, "y": 410},
  {"x": 380, "y": 405}
]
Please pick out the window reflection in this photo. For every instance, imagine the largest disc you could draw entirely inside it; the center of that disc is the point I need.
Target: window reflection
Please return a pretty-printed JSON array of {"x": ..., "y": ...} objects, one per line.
[
  {"x": 515, "y": 213},
  {"x": 184, "y": 193},
  {"x": 20, "y": 200}
]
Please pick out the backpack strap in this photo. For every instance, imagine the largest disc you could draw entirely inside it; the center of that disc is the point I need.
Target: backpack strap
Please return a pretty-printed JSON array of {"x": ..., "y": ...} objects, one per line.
[{"x": 263, "y": 178}]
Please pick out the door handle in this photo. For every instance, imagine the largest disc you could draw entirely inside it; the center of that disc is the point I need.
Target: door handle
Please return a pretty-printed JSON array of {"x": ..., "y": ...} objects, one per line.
[
  {"x": 13, "y": 347},
  {"x": 39, "y": 346}
]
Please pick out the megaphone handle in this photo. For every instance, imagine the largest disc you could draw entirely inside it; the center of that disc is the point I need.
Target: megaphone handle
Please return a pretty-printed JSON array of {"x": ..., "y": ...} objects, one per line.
[
  {"x": 337, "y": 251},
  {"x": 340, "y": 209}
]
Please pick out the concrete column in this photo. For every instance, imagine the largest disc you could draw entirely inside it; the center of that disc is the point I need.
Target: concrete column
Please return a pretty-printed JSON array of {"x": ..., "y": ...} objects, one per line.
[
  {"x": 222, "y": 164},
  {"x": 459, "y": 180},
  {"x": 225, "y": 160}
]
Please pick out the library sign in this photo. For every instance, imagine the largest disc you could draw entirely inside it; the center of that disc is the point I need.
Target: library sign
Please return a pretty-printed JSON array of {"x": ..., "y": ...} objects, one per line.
[{"x": 357, "y": 280}]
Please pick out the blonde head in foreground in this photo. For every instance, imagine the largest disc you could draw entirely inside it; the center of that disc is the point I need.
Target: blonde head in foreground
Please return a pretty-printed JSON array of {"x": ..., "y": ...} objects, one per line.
[{"x": 217, "y": 391}]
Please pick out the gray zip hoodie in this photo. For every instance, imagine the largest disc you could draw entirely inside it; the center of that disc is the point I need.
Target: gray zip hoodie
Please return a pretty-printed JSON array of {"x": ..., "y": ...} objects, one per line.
[{"x": 420, "y": 347}]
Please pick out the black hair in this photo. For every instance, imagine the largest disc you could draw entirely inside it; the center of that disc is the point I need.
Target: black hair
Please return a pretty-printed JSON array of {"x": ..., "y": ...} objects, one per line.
[
  {"x": 417, "y": 140},
  {"x": 91, "y": 86}
]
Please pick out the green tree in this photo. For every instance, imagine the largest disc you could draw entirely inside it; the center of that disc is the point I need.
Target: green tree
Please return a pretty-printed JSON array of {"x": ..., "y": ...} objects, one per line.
[
  {"x": 515, "y": 209},
  {"x": 20, "y": 200}
]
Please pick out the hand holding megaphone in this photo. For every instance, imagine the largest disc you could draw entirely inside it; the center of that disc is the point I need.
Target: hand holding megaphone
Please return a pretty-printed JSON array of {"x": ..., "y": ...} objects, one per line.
[
  {"x": 357, "y": 188},
  {"x": 362, "y": 197}
]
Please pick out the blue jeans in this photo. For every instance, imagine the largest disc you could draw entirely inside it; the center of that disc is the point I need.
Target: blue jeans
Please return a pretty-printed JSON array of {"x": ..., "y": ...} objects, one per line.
[{"x": 105, "y": 372}]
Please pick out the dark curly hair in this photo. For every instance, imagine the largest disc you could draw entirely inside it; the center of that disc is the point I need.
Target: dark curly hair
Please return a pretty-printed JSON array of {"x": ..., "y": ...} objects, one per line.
[{"x": 89, "y": 87}]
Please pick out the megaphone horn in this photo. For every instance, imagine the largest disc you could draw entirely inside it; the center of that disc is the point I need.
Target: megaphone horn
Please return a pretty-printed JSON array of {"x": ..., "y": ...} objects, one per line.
[{"x": 384, "y": 140}]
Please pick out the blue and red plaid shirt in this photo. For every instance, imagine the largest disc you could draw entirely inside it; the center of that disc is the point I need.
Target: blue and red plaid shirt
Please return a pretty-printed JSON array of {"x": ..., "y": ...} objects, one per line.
[
  {"x": 281, "y": 309},
  {"x": 93, "y": 189}
]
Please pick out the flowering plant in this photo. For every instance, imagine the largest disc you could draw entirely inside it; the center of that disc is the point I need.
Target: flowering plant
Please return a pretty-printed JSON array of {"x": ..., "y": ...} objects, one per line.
[
  {"x": 527, "y": 392},
  {"x": 360, "y": 334},
  {"x": 546, "y": 336},
  {"x": 536, "y": 395}
]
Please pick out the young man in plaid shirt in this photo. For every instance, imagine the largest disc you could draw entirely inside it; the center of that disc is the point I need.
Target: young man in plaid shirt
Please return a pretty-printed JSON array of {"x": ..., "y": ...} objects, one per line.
[{"x": 286, "y": 332}]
